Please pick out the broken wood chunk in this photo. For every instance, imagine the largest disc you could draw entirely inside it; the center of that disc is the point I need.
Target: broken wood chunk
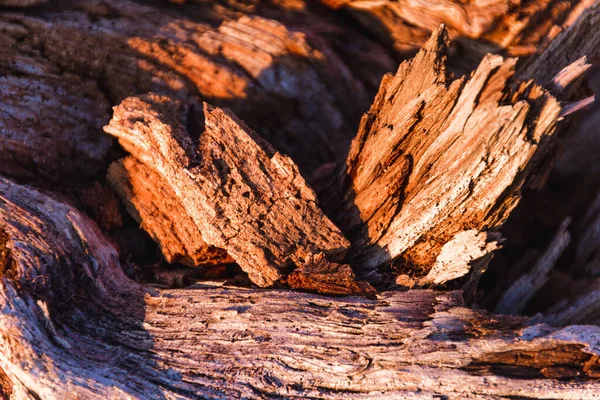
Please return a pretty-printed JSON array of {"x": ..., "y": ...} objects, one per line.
[
  {"x": 438, "y": 161},
  {"x": 241, "y": 195},
  {"x": 321, "y": 276}
]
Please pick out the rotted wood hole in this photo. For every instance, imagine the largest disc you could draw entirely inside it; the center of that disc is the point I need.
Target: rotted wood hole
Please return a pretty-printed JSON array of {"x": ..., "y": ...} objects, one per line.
[{"x": 299, "y": 199}]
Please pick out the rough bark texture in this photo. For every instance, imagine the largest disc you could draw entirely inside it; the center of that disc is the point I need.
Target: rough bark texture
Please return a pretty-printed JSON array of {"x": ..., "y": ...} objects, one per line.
[
  {"x": 437, "y": 164},
  {"x": 153, "y": 203},
  {"x": 50, "y": 121},
  {"x": 103, "y": 336},
  {"x": 241, "y": 195}
]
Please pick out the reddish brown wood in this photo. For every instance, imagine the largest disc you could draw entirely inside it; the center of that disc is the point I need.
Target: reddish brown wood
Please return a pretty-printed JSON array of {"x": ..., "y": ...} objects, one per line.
[{"x": 225, "y": 181}]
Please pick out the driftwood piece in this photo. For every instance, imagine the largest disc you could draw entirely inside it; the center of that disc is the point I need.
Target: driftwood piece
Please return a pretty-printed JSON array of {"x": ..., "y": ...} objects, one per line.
[
  {"x": 242, "y": 195},
  {"x": 437, "y": 164},
  {"x": 101, "y": 335}
]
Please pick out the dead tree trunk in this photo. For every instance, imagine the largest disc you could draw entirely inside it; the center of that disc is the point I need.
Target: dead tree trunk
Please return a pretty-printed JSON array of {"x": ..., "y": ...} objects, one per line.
[{"x": 436, "y": 167}]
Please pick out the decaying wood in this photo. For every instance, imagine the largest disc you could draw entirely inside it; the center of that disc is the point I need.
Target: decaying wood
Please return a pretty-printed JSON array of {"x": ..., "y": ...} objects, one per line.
[
  {"x": 153, "y": 203},
  {"x": 436, "y": 167},
  {"x": 321, "y": 276},
  {"x": 437, "y": 164},
  {"x": 102, "y": 335},
  {"x": 239, "y": 194}
]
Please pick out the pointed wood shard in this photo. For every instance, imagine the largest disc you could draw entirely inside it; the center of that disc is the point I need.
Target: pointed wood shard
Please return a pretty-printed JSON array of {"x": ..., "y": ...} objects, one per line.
[
  {"x": 225, "y": 182},
  {"x": 437, "y": 157}
]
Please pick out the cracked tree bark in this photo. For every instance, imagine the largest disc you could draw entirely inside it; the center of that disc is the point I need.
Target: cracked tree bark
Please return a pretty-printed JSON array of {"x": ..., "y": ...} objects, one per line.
[{"x": 436, "y": 167}]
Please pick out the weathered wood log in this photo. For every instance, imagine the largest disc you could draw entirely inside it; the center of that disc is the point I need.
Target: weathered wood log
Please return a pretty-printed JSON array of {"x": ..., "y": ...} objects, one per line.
[
  {"x": 295, "y": 82},
  {"x": 237, "y": 193},
  {"x": 437, "y": 165},
  {"x": 64, "y": 296}
]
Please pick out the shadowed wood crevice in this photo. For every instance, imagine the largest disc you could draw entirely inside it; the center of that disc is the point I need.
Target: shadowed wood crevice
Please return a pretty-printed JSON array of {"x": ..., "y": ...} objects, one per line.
[
  {"x": 555, "y": 266},
  {"x": 105, "y": 336}
]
